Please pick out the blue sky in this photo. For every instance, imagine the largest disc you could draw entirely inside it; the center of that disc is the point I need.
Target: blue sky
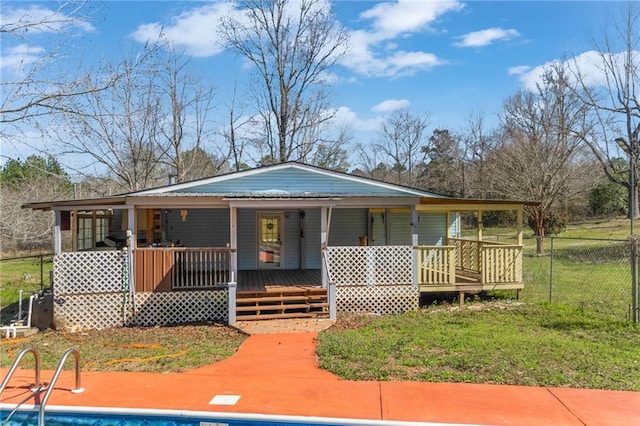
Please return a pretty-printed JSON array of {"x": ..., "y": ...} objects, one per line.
[{"x": 444, "y": 58}]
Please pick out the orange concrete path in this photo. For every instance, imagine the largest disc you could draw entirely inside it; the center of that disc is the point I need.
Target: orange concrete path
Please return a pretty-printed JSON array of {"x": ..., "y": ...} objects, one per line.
[{"x": 279, "y": 374}]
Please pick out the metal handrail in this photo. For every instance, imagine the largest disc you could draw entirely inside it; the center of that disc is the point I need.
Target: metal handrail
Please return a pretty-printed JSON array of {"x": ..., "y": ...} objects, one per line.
[
  {"x": 51, "y": 386},
  {"x": 14, "y": 366}
]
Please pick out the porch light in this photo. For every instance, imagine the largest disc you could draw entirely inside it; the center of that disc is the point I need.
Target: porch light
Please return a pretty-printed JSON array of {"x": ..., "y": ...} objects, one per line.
[{"x": 183, "y": 214}]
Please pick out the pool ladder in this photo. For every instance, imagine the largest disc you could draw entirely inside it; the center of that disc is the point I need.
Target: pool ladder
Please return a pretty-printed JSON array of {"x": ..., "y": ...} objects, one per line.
[{"x": 38, "y": 386}]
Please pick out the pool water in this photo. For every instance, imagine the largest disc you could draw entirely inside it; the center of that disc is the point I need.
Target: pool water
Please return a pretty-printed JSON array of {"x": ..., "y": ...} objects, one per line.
[{"x": 55, "y": 416}]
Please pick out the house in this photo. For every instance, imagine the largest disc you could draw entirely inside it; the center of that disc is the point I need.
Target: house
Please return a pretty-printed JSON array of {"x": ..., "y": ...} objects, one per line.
[{"x": 287, "y": 240}]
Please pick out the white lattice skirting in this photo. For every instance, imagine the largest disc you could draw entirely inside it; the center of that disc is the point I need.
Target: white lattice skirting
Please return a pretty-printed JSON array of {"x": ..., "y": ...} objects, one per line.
[
  {"x": 90, "y": 272},
  {"x": 381, "y": 300},
  {"x": 76, "y": 312},
  {"x": 370, "y": 265},
  {"x": 181, "y": 307}
]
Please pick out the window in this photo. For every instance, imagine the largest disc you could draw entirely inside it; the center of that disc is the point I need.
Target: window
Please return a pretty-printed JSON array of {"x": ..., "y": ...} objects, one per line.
[{"x": 93, "y": 227}]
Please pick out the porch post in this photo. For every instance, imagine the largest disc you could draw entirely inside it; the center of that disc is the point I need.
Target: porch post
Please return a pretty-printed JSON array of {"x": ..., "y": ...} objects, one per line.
[
  {"x": 414, "y": 242},
  {"x": 323, "y": 245},
  {"x": 331, "y": 293},
  {"x": 133, "y": 240},
  {"x": 232, "y": 287},
  {"x": 233, "y": 242},
  {"x": 57, "y": 236},
  {"x": 519, "y": 225},
  {"x": 74, "y": 230},
  {"x": 479, "y": 225}
]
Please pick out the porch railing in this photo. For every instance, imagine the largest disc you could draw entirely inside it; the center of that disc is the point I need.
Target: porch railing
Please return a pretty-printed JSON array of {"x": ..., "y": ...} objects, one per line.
[
  {"x": 495, "y": 262},
  {"x": 178, "y": 268},
  {"x": 467, "y": 254},
  {"x": 196, "y": 268},
  {"x": 501, "y": 263},
  {"x": 436, "y": 265}
]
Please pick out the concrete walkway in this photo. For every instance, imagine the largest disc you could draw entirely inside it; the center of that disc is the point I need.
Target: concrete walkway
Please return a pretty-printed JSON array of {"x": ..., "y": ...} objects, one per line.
[{"x": 279, "y": 374}]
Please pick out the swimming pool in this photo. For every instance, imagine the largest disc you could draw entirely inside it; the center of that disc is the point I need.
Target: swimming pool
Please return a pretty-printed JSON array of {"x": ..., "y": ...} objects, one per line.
[{"x": 91, "y": 416}]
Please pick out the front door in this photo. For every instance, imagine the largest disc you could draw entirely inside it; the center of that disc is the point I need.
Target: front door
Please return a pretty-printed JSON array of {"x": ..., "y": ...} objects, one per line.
[{"x": 269, "y": 240}]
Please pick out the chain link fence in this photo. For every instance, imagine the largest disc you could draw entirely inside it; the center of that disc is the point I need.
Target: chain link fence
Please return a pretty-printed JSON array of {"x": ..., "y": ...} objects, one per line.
[
  {"x": 20, "y": 277},
  {"x": 592, "y": 274}
]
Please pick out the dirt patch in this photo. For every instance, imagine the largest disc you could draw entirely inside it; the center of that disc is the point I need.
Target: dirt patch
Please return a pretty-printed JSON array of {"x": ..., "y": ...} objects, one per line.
[{"x": 293, "y": 325}]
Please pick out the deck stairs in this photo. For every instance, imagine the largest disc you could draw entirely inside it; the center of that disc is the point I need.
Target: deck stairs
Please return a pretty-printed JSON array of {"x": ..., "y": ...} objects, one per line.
[{"x": 281, "y": 302}]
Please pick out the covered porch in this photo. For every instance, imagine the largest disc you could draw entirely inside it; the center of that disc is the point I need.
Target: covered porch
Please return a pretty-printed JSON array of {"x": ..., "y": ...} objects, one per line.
[{"x": 319, "y": 239}]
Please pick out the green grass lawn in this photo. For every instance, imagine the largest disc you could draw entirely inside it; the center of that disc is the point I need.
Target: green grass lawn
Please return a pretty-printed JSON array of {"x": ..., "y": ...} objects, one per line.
[{"x": 518, "y": 344}]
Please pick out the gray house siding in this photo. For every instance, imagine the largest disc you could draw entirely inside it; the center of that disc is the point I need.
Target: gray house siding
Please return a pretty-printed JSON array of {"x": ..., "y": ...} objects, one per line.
[
  {"x": 311, "y": 241},
  {"x": 432, "y": 229},
  {"x": 202, "y": 227},
  {"x": 399, "y": 228},
  {"x": 291, "y": 255},
  {"x": 454, "y": 231},
  {"x": 291, "y": 239},
  {"x": 378, "y": 228},
  {"x": 247, "y": 252},
  {"x": 347, "y": 225}
]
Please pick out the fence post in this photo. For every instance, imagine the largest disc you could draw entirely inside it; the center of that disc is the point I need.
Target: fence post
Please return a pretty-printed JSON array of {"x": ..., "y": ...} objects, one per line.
[
  {"x": 635, "y": 310},
  {"x": 41, "y": 272},
  {"x": 551, "y": 272}
]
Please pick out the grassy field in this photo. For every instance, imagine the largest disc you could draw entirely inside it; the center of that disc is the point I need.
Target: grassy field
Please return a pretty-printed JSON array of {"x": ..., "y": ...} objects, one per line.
[
  {"x": 152, "y": 349},
  {"x": 601, "y": 229},
  {"x": 591, "y": 274},
  {"x": 517, "y": 344}
]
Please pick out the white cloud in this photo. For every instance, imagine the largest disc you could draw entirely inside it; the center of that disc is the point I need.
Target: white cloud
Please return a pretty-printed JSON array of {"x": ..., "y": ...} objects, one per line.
[
  {"x": 373, "y": 50},
  {"x": 390, "y": 105},
  {"x": 518, "y": 70},
  {"x": 589, "y": 65},
  {"x": 22, "y": 25},
  {"x": 193, "y": 30},
  {"x": 485, "y": 37},
  {"x": 345, "y": 115},
  {"x": 196, "y": 30},
  {"x": 14, "y": 59},
  {"x": 40, "y": 20},
  {"x": 405, "y": 16}
]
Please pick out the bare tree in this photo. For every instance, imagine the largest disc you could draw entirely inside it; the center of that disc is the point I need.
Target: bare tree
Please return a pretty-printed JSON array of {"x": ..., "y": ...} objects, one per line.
[
  {"x": 38, "y": 82},
  {"x": 34, "y": 179},
  {"x": 185, "y": 105},
  {"x": 401, "y": 145},
  {"x": 445, "y": 168},
  {"x": 478, "y": 142},
  {"x": 293, "y": 46},
  {"x": 541, "y": 157},
  {"x": 118, "y": 130},
  {"x": 235, "y": 132},
  {"x": 332, "y": 153},
  {"x": 614, "y": 98}
]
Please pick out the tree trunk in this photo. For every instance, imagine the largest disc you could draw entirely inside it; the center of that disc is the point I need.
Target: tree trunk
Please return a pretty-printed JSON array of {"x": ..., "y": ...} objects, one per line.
[{"x": 539, "y": 228}]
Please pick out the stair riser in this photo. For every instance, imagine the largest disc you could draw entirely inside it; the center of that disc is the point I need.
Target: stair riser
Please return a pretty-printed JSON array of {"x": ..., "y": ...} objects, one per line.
[{"x": 283, "y": 304}]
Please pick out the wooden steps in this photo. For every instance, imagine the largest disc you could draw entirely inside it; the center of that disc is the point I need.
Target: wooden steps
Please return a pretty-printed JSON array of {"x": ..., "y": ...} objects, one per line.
[{"x": 279, "y": 302}]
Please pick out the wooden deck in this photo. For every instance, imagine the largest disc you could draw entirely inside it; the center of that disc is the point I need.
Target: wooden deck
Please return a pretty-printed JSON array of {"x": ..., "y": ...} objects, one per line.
[{"x": 263, "y": 279}]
